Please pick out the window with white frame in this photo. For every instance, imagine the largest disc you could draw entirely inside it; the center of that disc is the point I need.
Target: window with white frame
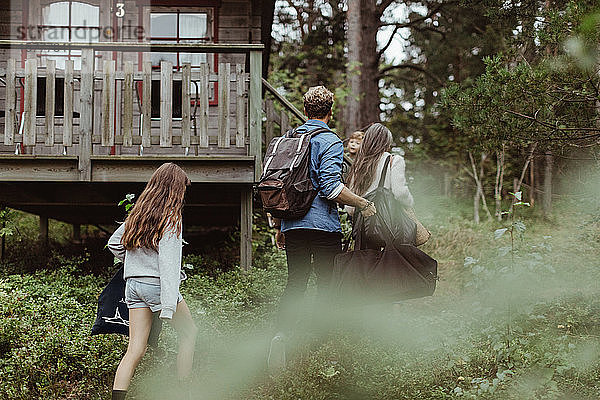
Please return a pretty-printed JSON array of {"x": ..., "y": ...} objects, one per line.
[
  {"x": 180, "y": 25},
  {"x": 177, "y": 26},
  {"x": 69, "y": 21}
]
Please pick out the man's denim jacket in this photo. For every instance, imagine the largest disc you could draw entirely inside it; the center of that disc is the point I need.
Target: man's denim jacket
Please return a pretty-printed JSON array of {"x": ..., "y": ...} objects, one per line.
[{"x": 326, "y": 153}]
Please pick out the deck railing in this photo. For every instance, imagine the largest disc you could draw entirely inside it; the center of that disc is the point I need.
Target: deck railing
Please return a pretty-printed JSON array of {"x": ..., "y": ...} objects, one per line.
[
  {"x": 234, "y": 128},
  {"x": 281, "y": 117}
]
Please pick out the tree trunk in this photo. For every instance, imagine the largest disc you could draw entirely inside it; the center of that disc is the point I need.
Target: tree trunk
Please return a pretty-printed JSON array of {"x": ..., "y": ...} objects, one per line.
[
  {"x": 447, "y": 182},
  {"x": 479, "y": 193},
  {"x": 532, "y": 182},
  {"x": 362, "y": 106},
  {"x": 499, "y": 183},
  {"x": 370, "y": 66},
  {"x": 519, "y": 182},
  {"x": 480, "y": 182},
  {"x": 352, "y": 111},
  {"x": 547, "y": 199},
  {"x": 476, "y": 206}
]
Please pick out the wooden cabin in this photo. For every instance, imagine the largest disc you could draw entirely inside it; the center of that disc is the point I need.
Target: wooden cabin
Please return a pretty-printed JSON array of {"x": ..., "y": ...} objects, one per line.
[{"x": 95, "y": 94}]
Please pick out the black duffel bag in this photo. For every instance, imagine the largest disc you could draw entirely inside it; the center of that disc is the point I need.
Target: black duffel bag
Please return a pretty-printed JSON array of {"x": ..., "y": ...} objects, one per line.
[
  {"x": 385, "y": 265},
  {"x": 372, "y": 276},
  {"x": 371, "y": 232}
]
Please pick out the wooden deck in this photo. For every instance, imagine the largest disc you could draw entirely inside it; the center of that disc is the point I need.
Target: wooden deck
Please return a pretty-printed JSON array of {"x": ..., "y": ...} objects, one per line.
[{"x": 107, "y": 114}]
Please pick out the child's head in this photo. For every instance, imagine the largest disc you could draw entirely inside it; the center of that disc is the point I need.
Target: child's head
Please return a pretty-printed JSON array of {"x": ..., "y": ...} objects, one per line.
[
  {"x": 170, "y": 180},
  {"x": 158, "y": 208},
  {"x": 354, "y": 142}
]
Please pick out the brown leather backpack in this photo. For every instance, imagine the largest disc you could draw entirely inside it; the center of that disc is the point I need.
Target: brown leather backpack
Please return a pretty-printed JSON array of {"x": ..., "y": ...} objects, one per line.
[{"x": 285, "y": 188}]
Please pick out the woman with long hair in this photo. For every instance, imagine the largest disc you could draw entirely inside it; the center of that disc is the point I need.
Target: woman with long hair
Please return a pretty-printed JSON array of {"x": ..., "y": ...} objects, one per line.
[
  {"x": 367, "y": 168},
  {"x": 150, "y": 242}
]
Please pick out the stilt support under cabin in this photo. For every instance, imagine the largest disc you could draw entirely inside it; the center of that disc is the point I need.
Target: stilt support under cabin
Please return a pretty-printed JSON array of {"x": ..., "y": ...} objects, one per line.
[
  {"x": 246, "y": 229},
  {"x": 44, "y": 230},
  {"x": 76, "y": 233},
  {"x": 3, "y": 244}
]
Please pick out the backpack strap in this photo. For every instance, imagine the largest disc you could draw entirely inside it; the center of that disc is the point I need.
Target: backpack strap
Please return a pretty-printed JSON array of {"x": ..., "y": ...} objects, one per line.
[
  {"x": 298, "y": 150},
  {"x": 292, "y": 132},
  {"x": 271, "y": 156},
  {"x": 384, "y": 171},
  {"x": 315, "y": 132}
]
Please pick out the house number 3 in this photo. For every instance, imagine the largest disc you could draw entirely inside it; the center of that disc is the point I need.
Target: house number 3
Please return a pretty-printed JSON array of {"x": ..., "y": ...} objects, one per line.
[{"x": 120, "y": 10}]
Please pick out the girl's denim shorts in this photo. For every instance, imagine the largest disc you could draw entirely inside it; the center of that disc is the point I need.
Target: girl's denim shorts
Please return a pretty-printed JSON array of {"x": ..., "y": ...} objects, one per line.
[{"x": 144, "y": 295}]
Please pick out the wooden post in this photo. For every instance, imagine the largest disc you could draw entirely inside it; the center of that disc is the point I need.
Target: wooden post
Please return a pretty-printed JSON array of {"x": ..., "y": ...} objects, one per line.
[
  {"x": 147, "y": 104},
  {"x": 203, "y": 95},
  {"x": 284, "y": 122},
  {"x": 68, "y": 109},
  {"x": 44, "y": 229},
  {"x": 86, "y": 94},
  {"x": 254, "y": 111},
  {"x": 76, "y": 233},
  {"x": 10, "y": 106},
  {"x": 224, "y": 91},
  {"x": 240, "y": 112},
  {"x": 246, "y": 229},
  {"x": 269, "y": 128},
  {"x": 186, "y": 82},
  {"x": 3, "y": 243},
  {"x": 108, "y": 103},
  {"x": 30, "y": 102},
  {"x": 50, "y": 100},
  {"x": 166, "y": 103},
  {"x": 128, "y": 104}
]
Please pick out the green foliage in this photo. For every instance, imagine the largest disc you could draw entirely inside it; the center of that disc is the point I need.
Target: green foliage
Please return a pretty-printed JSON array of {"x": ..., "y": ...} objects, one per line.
[
  {"x": 45, "y": 346},
  {"x": 25, "y": 253},
  {"x": 451, "y": 49},
  {"x": 454, "y": 344},
  {"x": 487, "y": 74},
  {"x": 7, "y": 219},
  {"x": 520, "y": 104},
  {"x": 127, "y": 202},
  {"x": 309, "y": 50}
]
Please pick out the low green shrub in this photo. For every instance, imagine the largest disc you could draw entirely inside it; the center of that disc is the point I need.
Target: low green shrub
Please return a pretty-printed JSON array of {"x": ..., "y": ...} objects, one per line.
[
  {"x": 46, "y": 351},
  {"x": 464, "y": 342}
]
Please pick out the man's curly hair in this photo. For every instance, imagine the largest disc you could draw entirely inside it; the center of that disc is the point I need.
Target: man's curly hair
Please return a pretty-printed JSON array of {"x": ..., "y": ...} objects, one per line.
[{"x": 318, "y": 102}]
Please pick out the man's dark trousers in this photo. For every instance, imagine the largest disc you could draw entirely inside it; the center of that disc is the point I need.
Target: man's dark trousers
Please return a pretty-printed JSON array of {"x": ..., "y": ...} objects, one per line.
[{"x": 305, "y": 249}]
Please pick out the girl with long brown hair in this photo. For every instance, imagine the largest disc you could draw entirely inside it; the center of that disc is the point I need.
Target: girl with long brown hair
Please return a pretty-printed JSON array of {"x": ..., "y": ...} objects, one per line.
[
  {"x": 150, "y": 243},
  {"x": 368, "y": 166}
]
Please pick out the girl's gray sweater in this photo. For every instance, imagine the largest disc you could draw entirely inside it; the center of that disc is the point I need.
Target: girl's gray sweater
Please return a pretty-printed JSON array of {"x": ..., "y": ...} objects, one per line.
[{"x": 158, "y": 267}]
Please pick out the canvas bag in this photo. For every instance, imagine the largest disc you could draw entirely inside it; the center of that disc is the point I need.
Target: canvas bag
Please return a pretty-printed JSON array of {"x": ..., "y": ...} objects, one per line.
[
  {"x": 112, "y": 315},
  {"x": 385, "y": 265},
  {"x": 285, "y": 189},
  {"x": 383, "y": 276},
  {"x": 393, "y": 273}
]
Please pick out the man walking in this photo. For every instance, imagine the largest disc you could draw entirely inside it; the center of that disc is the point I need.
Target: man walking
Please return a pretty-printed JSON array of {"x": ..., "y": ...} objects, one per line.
[{"x": 313, "y": 240}]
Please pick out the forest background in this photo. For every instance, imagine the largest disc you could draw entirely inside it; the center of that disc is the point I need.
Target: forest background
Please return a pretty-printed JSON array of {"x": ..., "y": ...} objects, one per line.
[{"x": 486, "y": 97}]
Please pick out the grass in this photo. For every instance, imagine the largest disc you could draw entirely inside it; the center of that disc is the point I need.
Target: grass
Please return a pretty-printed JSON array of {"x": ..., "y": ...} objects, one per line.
[{"x": 493, "y": 329}]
